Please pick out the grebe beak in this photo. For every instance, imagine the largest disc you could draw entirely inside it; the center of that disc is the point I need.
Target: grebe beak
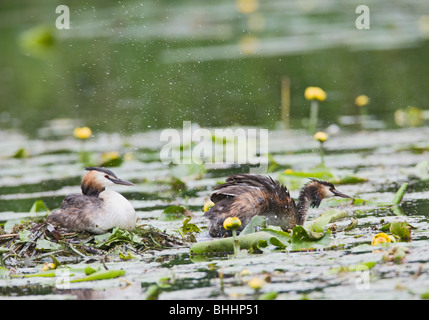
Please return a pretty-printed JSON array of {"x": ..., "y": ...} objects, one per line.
[
  {"x": 120, "y": 181},
  {"x": 339, "y": 194}
]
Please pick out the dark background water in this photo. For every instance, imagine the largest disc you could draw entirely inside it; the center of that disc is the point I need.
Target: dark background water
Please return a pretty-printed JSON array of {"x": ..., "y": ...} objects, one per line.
[{"x": 126, "y": 66}]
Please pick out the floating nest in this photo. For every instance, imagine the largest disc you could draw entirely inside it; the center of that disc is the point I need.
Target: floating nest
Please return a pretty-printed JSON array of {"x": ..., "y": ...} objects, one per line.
[{"x": 33, "y": 241}]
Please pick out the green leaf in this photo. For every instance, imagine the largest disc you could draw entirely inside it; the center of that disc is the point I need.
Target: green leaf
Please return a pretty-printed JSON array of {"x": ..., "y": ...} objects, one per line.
[
  {"x": 153, "y": 292},
  {"x": 101, "y": 275},
  {"x": 34, "y": 275},
  {"x": 256, "y": 223},
  {"x": 189, "y": 227},
  {"x": 354, "y": 267},
  {"x": 89, "y": 270},
  {"x": 352, "y": 224},
  {"x": 24, "y": 235},
  {"x": 326, "y": 217},
  {"x": 21, "y": 153},
  {"x": 254, "y": 240},
  {"x": 117, "y": 235},
  {"x": 304, "y": 239},
  {"x": 401, "y": 229},
  {"x": 10, "y": 224},
  {"x": 46, "y": 245},
  {"x": 4, "y": 272},
  {"x": 39, "y": 206},
  {"x": 400, "y": 194},
  {"x": 127, "y": 256},
  {"x": 268, "y": 296},
  {"x": 174, "y": 213}
]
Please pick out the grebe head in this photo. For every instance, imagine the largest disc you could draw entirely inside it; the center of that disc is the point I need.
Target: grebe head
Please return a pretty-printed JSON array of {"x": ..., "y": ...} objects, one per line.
[
  {"x": 319, "y": 190},
  {"x": 97, "y": 179}
]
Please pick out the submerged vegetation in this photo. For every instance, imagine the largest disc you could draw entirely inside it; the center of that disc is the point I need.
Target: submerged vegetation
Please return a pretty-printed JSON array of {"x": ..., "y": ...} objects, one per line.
[{"x": 32, "y": 241}]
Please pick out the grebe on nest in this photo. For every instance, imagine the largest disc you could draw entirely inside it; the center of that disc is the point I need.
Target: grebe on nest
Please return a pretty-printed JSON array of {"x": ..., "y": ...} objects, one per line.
[
  {"x": 247, "y": 195},
  {"x": 96, "y": 210}
]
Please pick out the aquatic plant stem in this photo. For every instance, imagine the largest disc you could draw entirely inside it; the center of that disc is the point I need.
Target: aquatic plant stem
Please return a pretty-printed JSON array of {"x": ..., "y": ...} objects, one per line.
[
  {"x": 322, "y": 154},
  {"x": 236, "y": 243},
  {"x": 363, "y": 116},
  {"x": 314, "y": 110}
]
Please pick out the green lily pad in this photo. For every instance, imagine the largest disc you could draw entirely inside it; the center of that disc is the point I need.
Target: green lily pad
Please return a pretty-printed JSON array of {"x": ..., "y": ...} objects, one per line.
[
  {"x": 117, "y": 235},
  {"x": 302, "y": 239},
  {"x": 174, "y": 213},
  {"x": 46, "y": 245}
]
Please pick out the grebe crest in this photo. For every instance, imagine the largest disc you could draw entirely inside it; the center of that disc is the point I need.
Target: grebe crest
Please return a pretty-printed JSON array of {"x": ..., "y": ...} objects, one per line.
[
  {"x": 247, "y": 195},
  {"x": 97, "y": 209}
]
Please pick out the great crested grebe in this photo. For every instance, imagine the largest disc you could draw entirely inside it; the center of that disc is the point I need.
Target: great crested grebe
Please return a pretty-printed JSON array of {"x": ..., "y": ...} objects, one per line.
[
  {"x": 96, "y": 210},
  {"x": 247, "y": 195}
]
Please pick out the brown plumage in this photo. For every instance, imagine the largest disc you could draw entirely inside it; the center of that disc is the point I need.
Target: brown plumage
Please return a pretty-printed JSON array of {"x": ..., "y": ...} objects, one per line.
[{"x": 247, "y": 195}]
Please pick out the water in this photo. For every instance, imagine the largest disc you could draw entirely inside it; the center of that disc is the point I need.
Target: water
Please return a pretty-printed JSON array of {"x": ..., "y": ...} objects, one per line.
[
  {"x": 130, "y": 69},
  {"x": 290, "y": 274}
]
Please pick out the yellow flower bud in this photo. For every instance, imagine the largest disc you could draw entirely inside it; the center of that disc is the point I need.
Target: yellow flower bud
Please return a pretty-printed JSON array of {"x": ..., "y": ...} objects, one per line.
[
  {"x": 256, "y": 283},
  {"x": 208, "y": 205},
  {"x": 382, "y": 238},
  {"x": 314, "y": 93},
  {"x": 232, "y": 223},
  {"x": 361, "y": 100},
  {"x": 82, "y": 133},
  {"x": 110, "y": 155},
  {"x": 245, "y": 272},
  {"x": 320, "y": 136},
  {"x": 48, "y": 266}
]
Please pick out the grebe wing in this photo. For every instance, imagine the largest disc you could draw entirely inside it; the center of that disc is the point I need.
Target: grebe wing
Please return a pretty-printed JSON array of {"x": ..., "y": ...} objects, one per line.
[
  {"x": 75, "y": 212},
  {"x": 241, "y": 183},
  {"x": 80, "y": 201}
]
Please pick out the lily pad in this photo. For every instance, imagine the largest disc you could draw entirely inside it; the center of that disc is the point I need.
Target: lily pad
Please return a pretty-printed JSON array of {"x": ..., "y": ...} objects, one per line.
[
  {"x": 304, "y": 239},
  {"x": 254, "y": 240},
  {"x": 46, "y": 245},
  {"x": 117, "y": 235},
  {"x": 174, "y": 213}
]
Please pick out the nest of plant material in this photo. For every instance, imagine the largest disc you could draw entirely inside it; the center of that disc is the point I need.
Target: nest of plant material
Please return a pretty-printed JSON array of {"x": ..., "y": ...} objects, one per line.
[{"x": 32, "y": 242}]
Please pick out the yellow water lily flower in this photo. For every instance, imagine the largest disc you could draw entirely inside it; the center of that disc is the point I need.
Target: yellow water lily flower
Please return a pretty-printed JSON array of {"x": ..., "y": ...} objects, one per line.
[
  {"x": 256, "y": 283},
  {"x": 82, "y": 132},
  {"x": 382, "y": 238},
  {"x": 208, "y": 205},
  {"x": 232, "y": 223},
  {"x": 109, "y": 155},
  {"x": 314, "y": 93},
  {"x": 247, "y": 6},
  {"x": 48, "y": 266},
  {"x": 320, "y": 136},
  {"x": 361, "y": 100},
  {"x": 245, "y": 272}
]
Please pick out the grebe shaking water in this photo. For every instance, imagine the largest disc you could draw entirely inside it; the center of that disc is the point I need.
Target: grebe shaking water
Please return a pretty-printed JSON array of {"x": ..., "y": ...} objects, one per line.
[{"x": 247, "y": 195}]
